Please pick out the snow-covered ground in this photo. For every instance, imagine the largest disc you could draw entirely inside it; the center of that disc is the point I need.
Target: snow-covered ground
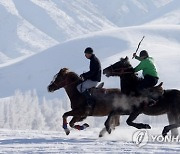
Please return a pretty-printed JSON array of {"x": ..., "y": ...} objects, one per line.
[
  {"x": 40, "y": 37},
  {"x": 120, "y": 141}
]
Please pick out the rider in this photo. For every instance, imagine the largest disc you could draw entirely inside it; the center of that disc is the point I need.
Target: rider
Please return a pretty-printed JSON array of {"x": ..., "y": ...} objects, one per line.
[
  {"x": 149, "y": 70},
  {"x": 91, "y": 78}
]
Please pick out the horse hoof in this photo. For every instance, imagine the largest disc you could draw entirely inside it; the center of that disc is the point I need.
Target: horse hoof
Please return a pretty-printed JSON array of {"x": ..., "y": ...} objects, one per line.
[
  {"x": 165, "y": 131},
  {"x": 147, "y": 126},
  {"x": 85, "y": 125},
  {"x": 108, "y": 130},
  {"x": 67, "y": 131},
  {"x": 102, "y": 132},
  {"x": 164, "y": 134}
]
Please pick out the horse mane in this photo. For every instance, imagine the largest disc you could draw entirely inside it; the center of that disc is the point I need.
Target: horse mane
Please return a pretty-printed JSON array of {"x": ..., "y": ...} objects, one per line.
[
  {"x": 74, "y": 75},
  {"x": 128, "y": 81},
  {"x": 71, "y": 75}
]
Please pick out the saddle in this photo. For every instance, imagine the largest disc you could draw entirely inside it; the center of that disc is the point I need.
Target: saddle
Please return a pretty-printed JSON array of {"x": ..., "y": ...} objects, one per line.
[{"x": 102, "y": 93}]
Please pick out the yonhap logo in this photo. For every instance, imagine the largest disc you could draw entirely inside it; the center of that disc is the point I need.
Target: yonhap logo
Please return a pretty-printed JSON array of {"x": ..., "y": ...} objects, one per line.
[{"x": 140, "y": 138}]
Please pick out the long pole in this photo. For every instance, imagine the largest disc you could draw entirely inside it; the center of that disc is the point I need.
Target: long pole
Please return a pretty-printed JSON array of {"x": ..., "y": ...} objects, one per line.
[{"x": 139, "y": 45}]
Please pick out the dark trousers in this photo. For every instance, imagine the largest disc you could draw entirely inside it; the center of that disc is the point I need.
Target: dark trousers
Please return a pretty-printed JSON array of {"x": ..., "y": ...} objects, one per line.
[{"x": 147, "y": 82}]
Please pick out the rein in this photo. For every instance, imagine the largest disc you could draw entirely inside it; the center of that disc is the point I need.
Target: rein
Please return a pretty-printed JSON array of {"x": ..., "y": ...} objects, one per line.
[
  {"x": 64, "y": 82},
  {"x": 122, "y": 71}
]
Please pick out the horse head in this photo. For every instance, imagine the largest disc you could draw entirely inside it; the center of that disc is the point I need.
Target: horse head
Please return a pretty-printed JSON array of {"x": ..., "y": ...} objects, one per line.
[
  {"x": 117, "y": 68},
  {"x": 63, "y": 79}
]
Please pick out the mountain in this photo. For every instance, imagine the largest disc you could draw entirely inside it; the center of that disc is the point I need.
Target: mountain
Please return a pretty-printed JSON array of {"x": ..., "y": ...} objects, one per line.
[
  {"x": 37, "y": 71},
  {"x": 40, "y": 37},
  {"x": 31, "y": 26}
]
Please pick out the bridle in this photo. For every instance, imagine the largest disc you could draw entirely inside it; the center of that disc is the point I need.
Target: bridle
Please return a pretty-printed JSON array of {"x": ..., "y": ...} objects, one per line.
[
  {"x": 121, "y": 70},
  {"x": 63, "y": 83}
]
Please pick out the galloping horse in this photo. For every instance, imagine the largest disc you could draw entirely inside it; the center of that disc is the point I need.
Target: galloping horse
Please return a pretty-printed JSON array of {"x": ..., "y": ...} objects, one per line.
[
  {"x": 69, "y": 81},
  {"x": 106, "y": 100},
  {"x": 168, "y": 104}
]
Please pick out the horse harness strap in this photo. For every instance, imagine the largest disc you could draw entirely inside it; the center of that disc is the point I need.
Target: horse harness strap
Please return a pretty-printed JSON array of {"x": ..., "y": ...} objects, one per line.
[
  {"x": 120, "y": 69},
  {"x": 64, "y": 81}
]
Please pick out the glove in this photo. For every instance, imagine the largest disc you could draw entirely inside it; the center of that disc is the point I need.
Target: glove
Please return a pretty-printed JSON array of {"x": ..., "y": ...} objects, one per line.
[{"x": 134, "y": 55}]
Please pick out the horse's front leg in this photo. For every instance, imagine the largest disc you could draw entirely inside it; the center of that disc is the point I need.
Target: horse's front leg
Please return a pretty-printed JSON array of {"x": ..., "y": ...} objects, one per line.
[
  {"x": 78, "y": 127},
  {"x": 73, "y": 113},
  {"x": 132, "y": 117},
  {"x": 65, "y": 127}
]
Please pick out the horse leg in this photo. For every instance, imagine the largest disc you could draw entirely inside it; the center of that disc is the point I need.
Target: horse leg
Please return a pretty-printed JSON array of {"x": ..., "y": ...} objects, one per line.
[
  {"x": 109, "y": 120},
  {"x": 107, "y": 124},
  {"x": 117, "y": 120},
  {"x": 102, "y": 132},
  {"x": 78, "y": 127},
  {"x": 171, "y": 126},
  {"x": 132, "y": 117},
  {"x": 168, "y": 128},
  {"x": 73, "y": 113}
]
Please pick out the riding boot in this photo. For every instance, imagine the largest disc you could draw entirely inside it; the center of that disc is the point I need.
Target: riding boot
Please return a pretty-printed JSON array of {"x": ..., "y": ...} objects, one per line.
[{"x": 90, "y": 102}]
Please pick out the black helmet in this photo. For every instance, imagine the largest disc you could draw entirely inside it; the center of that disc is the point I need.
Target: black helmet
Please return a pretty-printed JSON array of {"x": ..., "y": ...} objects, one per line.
[
  {"x": 88, "y": 50},
  {"x": 143, "y": 53}
]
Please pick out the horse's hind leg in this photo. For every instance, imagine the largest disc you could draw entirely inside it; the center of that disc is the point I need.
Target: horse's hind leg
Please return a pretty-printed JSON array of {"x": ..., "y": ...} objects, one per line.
[
  {"x": 168, "y": 128},
  {"x": 173, "y": 125},
  {"x": 116, "y": 122},
  {"x": 132, "y": 117},
  {"x": 112, "y": 117},
  {"x": 102, "y": 132}
]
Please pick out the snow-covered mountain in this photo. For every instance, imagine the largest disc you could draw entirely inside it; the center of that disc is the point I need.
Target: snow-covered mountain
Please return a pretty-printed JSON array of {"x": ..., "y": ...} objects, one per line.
[
  {"x": 32, "y": 26},
  {"x": 28, "y": 27},
  {"x": 62, "y": 29}
]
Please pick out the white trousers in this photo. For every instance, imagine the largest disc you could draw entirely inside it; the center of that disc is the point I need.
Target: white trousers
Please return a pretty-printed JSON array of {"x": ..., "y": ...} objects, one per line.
[{"x": 86, "y": 85}]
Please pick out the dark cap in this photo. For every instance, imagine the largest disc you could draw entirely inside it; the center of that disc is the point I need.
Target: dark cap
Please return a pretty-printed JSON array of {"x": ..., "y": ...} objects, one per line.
[
  {"x": 143, "y": 53},
  {"x": 88, "y": 50}
]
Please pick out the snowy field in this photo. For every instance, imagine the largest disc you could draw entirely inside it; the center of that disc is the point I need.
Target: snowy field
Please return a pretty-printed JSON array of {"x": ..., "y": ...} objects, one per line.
[{"x": 120, "y": 141}]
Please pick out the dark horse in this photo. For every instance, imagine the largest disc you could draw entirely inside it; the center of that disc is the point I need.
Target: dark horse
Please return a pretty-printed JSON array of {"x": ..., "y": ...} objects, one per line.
[
  {"x": 168, "y": 104},
  {"x": 69, "y": 81}
]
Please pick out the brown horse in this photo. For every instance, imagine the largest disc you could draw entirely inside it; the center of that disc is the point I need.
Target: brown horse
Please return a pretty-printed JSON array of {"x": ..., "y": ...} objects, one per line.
[
  {"x": 168, "y": 104},
  {"x": 106, "y": 100},
  {"x": 69, "y": 81}
]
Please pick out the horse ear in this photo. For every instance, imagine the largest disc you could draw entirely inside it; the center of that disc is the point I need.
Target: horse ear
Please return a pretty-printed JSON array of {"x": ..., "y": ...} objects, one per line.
[
  {"x": 160, "y": 85},
  {"x": 64, "y": 70},
  {"x": 126, "y": 58}
]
